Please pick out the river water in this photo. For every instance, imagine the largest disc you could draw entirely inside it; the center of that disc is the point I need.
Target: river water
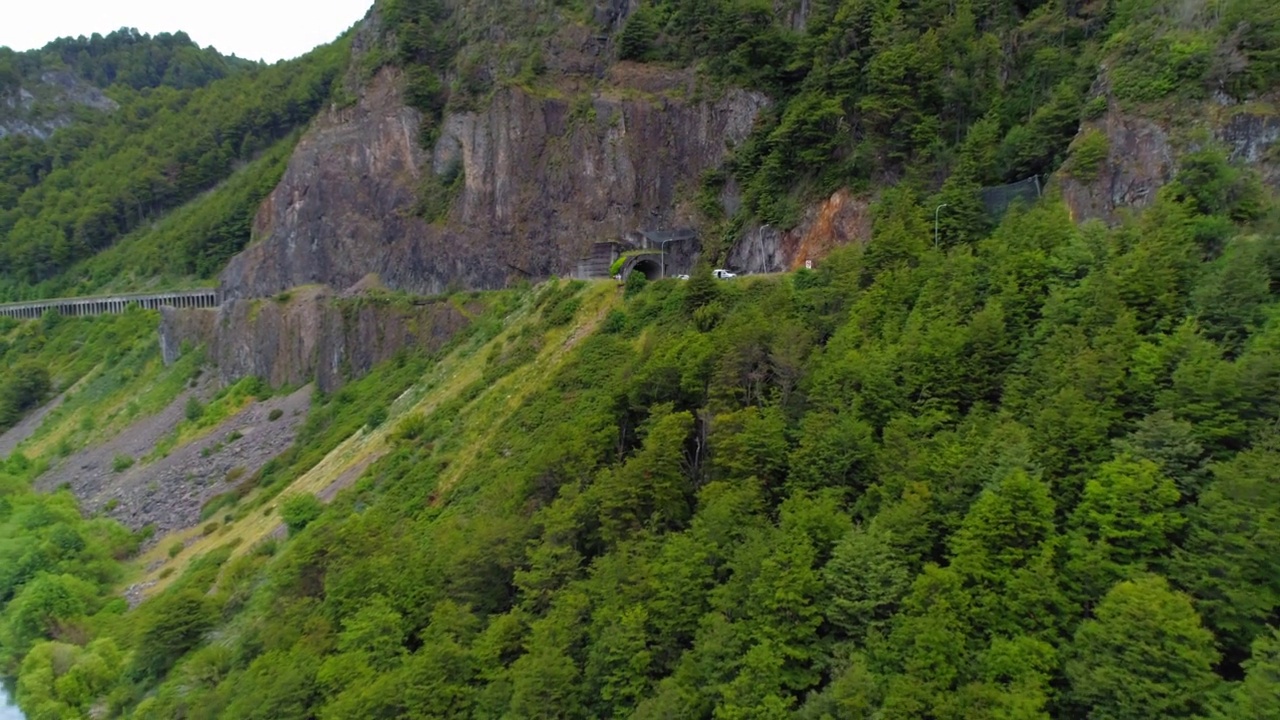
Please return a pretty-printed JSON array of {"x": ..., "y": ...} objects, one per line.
[{"x": 8, "y": 711}]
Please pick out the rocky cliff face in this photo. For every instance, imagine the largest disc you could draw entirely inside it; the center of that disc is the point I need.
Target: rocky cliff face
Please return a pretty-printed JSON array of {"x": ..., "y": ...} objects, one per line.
[
  {"x": 39, "y": 109},
  {"x": 543, "y": 176},
  {"x": 1143, "y": 152},
  {"x": 839, "y": 220},
  {"x": 311, "y": 335}
]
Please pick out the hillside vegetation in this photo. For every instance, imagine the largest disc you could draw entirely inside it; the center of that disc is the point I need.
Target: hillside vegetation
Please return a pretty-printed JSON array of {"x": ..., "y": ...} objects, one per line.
[
  {"x": 106, "y": 179},
  {"x": 974, "y": 468},
  {"x": 943, "y": 95},
  {"x": 1028, "y": 477}
]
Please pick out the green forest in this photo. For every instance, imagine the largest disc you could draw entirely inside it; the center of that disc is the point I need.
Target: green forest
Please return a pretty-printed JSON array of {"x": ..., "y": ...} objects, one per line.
[
  {"x": 189, "y": 121},
  {"x": 1010, "y": 467},
  {"x": 1031, "y": 477}
]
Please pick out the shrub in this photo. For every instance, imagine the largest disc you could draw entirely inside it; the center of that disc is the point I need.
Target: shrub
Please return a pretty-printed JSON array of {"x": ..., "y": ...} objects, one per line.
[
  {"x": 412, "y": 427},
  {"x": 23, "y": 389},
  {"x": 614, "y": 323},
  {"x": 561, "y": 311},
  {"x": 708, "y": 316},
  {"x": 234, "y": 436},
  {"x": 209, "y": 528},
  {"x": 173, "y": 624},
  {"x": 112, "y": 504},
  {"x": 376, "y": 417},
  {"x": 235, "y": 473},
  {"x": 146, "y": 532},
  {"x": 636, "y": 283},
  {"x": 194, "y": 409},
  {"x": 275, "y": 415},
  {"x": 176, "y": 549},
  {"x": 300, "y": 511},
  {"x": 120, "y": 463},
  {"x": 1088, "y": 155}
]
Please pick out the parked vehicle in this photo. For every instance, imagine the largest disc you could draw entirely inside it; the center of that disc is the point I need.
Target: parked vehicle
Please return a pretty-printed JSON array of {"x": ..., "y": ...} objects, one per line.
[{"x": 722, "y": 274}]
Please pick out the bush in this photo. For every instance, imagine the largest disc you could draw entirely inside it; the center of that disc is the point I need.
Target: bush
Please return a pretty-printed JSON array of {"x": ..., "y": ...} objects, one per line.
[
  {"x": 24, "y": 389},
  {"x": 145, "y": 533},
  {"x": 412, "y": 427},
  {"x": 210, "y": 528},
  {"x": 120, "y": 463},
  {"x": 1088, "y": 155},
  {"x": 300, "y": 511},
  {"x": 176, "y": 549},
  {"x": 194, "y": 409},
  {"x": 562, "y": 309},
  {"x": 376, "y": 417},
  {"x": 235, "y": 473},
  {"x": 173, "y": 624},
  {"x": 701, "y": 288},
  {"x": 614, "y": 323},
  {"x": 636, "y": 283},
  {"x": 275, "y": 415}
]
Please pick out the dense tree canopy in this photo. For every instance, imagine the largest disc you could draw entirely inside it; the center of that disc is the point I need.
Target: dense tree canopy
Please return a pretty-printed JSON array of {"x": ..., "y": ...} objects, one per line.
[
  {"x": 78, "y": 193},
  {"x": 1032, "y": 472}
]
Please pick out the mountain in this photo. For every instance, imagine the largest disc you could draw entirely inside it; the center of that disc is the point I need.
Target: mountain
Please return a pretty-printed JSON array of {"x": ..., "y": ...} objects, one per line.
[
  {"x": 174, "y": 124},
  {"x": 1007, "y": 449}
]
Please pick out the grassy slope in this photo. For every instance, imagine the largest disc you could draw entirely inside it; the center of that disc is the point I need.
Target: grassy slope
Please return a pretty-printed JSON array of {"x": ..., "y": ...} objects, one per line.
[
  {"x": 455, "y": 387},
  {"x": 110, "y": 369}
]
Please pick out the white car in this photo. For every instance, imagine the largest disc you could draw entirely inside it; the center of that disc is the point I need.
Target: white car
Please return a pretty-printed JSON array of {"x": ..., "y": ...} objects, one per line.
[{"x": 722, "y": 274}]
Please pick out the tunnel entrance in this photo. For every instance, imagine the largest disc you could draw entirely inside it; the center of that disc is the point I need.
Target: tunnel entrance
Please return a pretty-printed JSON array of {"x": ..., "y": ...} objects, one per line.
[{"x": 651, "y": 269}]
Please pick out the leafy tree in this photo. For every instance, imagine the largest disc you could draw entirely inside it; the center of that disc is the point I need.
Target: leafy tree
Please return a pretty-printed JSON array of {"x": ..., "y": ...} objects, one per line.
[
  {"x": 172, "y": 625},
  {"x": 24, "y": 388},
  {"x": 1145, "y": 653},
  {"x": 1259, "y": 695},
  {"x": 700, "y": 290},
  {"x": 1124, "y": 523},
  {"x": 638, "y": 35},
  {"x": 866, "y": 579},
  {"x": 1228, "y": 561}
]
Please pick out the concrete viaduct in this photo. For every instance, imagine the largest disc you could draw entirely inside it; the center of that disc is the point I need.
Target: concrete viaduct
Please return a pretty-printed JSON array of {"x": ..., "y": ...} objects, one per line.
[{"x": 111, "y": 304}]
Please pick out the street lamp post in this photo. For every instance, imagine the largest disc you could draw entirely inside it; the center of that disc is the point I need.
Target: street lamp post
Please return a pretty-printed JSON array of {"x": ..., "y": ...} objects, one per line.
[
  {"x": 662, "y": 248},
  {"x": 935, "y": 224}
]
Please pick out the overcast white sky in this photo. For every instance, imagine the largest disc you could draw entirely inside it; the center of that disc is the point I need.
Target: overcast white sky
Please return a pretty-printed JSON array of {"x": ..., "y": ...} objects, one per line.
[{"x": 254, "y": 29}]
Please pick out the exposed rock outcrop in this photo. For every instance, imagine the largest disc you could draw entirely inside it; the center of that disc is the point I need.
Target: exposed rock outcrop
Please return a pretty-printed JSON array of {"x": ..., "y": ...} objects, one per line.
[
  {"x": 1141, "y": 159},
  {"x": 41, "y": 108},
  {"x": 1143, "y": 152},
  {"x": 839, "y": 220},
  {"x": 543, "y": 177},
  {"x": 311, "y": 335},
  {"x": 1252, "y": 137}
]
